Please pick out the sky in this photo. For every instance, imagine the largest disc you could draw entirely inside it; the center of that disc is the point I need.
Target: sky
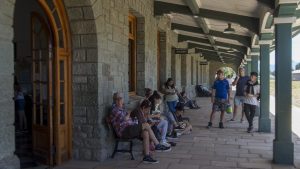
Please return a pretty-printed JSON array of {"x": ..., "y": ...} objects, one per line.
[{"x": 295, "y": 52}]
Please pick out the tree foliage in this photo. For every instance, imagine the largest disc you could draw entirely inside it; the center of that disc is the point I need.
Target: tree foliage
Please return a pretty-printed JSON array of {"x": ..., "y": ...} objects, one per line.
[{"x": 297, "y": 67}]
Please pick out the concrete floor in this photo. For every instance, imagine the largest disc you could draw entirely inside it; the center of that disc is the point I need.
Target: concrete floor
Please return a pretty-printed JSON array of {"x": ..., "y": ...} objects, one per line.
[{"x": 213, "y": 148}]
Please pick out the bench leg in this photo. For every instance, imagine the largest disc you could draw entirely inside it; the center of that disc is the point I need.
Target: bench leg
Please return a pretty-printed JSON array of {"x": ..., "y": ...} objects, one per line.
[
  {"x": 132, "y": 157},
  {"x": 115, "y": 150}
]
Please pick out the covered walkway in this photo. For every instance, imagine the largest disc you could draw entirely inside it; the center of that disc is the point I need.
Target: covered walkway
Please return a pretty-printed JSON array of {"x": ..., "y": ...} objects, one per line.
[{"x": 231, "y": 147}]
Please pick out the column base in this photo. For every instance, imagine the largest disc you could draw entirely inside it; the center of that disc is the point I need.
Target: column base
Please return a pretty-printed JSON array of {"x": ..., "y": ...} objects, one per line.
[
  {"x": 11, "y": 162},
  {"x": 264, "y": 125},
  {"x": 283, "y": 152}
]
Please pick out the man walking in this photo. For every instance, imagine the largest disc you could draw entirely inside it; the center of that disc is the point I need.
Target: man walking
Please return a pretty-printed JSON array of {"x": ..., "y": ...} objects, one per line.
[
  {"x": 252, "y": 92},
  {"x": 240, "y": 82},
  {"x": 220, "y": 98}
]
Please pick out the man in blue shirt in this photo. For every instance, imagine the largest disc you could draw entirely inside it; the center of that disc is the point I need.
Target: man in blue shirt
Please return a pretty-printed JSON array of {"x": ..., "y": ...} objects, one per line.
[
  {"x": 220, "y": 97},
  {"x": 240, "y": 82}
]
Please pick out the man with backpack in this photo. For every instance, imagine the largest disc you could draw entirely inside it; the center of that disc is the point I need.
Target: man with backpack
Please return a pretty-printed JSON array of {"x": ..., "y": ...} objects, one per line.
[{"x": 220, "y": 98}]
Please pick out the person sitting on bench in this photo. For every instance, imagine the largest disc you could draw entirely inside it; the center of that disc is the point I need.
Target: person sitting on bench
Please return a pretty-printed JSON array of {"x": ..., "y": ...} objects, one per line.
[{"x": 127, "y": 128}]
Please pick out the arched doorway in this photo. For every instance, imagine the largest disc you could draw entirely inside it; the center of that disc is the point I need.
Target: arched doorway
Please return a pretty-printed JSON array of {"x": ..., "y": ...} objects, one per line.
[{"x": 43, "y": 76}]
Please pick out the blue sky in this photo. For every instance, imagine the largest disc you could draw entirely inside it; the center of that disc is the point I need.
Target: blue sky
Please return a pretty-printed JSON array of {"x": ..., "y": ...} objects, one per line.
[{"x": 295, "y": 53}]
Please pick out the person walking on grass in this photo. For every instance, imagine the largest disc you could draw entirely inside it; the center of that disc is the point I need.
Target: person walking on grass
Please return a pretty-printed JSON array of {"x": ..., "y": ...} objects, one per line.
[
  {"x": 252, "y": 92},
  {"x": 220, "y": 98},
  {"x": 240, "y": 82}
]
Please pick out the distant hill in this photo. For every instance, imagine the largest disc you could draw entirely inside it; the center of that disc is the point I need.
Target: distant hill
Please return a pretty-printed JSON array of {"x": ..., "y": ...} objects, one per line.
[{"x": 272, "y": 67}]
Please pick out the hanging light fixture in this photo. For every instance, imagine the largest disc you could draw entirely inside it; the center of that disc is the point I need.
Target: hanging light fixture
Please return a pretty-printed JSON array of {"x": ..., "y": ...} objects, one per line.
[{"x": 229, "y": 30}]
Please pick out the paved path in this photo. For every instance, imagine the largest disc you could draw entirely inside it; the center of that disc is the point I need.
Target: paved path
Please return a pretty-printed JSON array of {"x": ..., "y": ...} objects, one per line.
[{"x": 215, "y": 148}]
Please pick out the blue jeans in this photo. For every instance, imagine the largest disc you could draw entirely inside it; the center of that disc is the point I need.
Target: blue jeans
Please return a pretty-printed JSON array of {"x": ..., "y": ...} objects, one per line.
[
  {"x": 163, "y": 128},
  {"x": 172, "y": 106}
]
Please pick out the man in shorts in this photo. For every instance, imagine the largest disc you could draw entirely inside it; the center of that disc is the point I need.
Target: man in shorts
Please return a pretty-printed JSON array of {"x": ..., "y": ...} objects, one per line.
[
  {"x": 220, "y": 98},
  {"x": 240, "y": 82}
]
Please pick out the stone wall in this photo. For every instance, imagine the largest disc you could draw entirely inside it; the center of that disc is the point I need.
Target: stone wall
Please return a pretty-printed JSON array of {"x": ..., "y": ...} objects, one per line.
[
  {"x": 111, "y": 17},
  {"x": 7, "y": 142},
  {"x": 87, "y": 125},
  {"x": 168, "y": 43}
]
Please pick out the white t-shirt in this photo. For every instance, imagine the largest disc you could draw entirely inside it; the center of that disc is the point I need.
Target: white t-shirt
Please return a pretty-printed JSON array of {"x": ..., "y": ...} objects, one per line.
[{"x": 171, "y": 97}]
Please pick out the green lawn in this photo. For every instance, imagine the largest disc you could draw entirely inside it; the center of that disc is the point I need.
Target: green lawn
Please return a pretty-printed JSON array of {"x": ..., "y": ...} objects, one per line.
[{"x": 295, "y": 91}]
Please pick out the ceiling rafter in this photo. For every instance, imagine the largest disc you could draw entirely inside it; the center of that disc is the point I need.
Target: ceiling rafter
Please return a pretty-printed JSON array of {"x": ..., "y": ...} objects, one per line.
[
  {"x": 239, "y": 48},
  {"x": 233, "y": 54},
  {"x": 245, "y": 40},
  {"x": 250, "y": 23}
]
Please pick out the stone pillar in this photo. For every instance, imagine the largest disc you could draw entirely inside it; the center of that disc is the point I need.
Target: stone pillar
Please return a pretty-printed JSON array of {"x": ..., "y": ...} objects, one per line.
[
  {"x": 283, "y": 147},
  {"x": 248, "y": 67},
  {"x": 254, "y": 63},
  {"x": 264, "y": 124}
]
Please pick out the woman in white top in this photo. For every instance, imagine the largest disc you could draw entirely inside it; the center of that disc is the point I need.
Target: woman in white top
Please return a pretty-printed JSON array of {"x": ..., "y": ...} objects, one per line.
[{"x": 170, "y": 94}]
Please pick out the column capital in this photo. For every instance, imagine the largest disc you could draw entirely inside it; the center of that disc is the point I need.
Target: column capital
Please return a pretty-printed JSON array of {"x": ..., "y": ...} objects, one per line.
[{"x": 283, "y": 20}]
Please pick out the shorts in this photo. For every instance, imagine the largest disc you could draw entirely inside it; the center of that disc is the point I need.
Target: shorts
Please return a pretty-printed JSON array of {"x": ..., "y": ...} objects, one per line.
[
  {"x": 239, "y": 100},
  {"x": 219, "y": 104},
  {"x": 132, "y": 131}
]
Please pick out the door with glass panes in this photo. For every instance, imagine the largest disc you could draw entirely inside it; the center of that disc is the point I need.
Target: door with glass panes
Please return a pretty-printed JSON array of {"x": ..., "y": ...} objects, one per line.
[{"x": 51, "y": 94}]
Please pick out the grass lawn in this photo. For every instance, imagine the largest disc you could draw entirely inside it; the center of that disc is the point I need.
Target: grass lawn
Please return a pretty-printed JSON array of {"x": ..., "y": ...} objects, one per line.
[{"x": 295, "y": 91}]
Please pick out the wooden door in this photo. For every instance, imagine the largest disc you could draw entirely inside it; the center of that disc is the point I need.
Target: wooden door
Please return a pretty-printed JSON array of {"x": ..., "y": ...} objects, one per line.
[
  {"x": 61, "y": 119},
  {"x": 51, "y": 50},
  {"x": 42, "y": 79}
]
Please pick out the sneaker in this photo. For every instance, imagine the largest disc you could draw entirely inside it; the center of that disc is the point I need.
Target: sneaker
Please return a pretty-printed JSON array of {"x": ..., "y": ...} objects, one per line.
[
  {"x": 178, "y": 128},
  {"x": 231, "y": 120},
  {"x": 162, "y": 148},
  {"x": 221, "y": 126},
  {"x": 250, "y": 129},
  {"x": 209, "y": 125},
  {"x": 173, "y": 144},
  {"x": 172, "y": 136},
  {"x": 242, "y": 121},
  {"x": 149, "y": 160},
  {"x": 165, "y": 143}
]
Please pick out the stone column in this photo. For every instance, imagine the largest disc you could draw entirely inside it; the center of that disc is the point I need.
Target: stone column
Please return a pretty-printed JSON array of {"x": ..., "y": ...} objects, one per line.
[
  {"x": 283, "y": 147},
  {"x": 264, "y": 124},
  {"x": 254, "y": 63},
  {"x": 248, "y": 67}
]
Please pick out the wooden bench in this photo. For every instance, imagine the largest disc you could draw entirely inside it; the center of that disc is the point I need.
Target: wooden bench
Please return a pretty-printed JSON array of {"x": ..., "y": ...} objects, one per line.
[{"x": 119, "y": 140}]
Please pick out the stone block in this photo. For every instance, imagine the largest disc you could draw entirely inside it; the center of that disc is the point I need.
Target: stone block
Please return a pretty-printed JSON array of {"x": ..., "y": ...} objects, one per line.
[
  {"x": 88, "y": 12},
  {"x": 85, "y": 154},
  {"x": 10, "y": 162},
  {"x": 79, "y": 55},
  {"x": 6, "y": 58},
  {"x": 89, "y": 40},
  {"x": 76, "y": 3},
  {"x": 75, "y": 13},
  {"x": 7, "y": 8},
  {"x": 79, "y": 111},
  {"x": 7, "y": 141},
  {"x": 76, "y": 41},
  {"x": 79, "y": 120},
  {"x": 92, "y": 55},
  {"x": 84, "y": 68},
  {"x": 6, "y": 30},
  {"x": 80, "y": 79},
  {"x": 83, "y": 27},
  {"x": 97, "y": 9}
]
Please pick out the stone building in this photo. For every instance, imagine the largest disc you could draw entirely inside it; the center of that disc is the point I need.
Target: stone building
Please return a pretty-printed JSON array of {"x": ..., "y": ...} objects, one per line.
[{"x": 69, "y": 57}]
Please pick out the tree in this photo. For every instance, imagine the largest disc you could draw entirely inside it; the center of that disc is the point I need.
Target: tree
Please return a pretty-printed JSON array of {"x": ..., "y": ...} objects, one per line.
[{"x": 297, "y": 67}]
